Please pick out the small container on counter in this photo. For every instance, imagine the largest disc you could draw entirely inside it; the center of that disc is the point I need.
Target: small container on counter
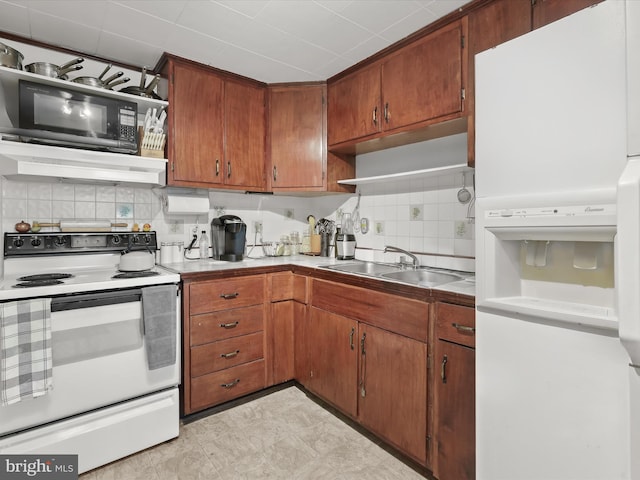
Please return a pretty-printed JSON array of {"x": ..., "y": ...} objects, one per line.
[
  {"x": 306, "y": 243},
  {"x": 295, "y": 243},
  {"x": 286, "y": 243}
]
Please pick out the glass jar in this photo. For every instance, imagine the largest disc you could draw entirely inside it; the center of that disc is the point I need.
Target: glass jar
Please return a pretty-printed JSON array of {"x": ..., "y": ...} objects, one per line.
[
  {"x": 295, "y": 243},
  {"x": 306, "y": 243},
  {"x": 284, "y": 240}
]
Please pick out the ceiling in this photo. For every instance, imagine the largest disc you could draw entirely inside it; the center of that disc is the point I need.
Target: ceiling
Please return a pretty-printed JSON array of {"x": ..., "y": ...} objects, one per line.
[{"x": 269, "y": 40}]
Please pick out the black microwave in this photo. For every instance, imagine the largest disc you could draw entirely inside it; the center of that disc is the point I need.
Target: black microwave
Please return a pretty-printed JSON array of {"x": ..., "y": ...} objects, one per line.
[{"x": 55, "y": 115}]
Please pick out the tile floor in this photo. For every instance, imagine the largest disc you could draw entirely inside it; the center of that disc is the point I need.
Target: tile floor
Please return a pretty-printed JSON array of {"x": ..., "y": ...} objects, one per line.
[{"x": 283, "y": 435}]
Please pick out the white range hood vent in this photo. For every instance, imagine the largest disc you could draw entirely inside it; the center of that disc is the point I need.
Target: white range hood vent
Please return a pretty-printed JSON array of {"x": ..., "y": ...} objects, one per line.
[{"x": 25, "y": 161}]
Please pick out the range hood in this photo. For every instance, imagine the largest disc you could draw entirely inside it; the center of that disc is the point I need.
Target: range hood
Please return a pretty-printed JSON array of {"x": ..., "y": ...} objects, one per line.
[{"x": 25, "y": 161}]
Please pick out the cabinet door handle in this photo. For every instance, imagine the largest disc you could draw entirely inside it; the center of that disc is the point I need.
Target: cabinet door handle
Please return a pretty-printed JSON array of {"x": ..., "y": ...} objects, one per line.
[
  {"x": 386, "y": 112},
  {"x": 363, "y": 367},
  {"x": 230, "y": 354},
  {"x": 353, "y": 331},
  {"x": 375, "y": 115},
  {"x": 229, "y": 325},
  {"x": 443, "y": 369},
  {"x": 275, "y": 173},
  {"x": 217, "y": 167},
  {"x": 228, "y": 169},
  {"x": 229, "y": 296},
  {"x": 463, "y": 328},
  {"x": 230, "y": 385}
]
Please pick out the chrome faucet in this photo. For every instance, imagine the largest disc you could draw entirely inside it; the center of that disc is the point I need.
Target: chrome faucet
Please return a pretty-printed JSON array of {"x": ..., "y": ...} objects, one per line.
[{"x": 390, "y": 248}]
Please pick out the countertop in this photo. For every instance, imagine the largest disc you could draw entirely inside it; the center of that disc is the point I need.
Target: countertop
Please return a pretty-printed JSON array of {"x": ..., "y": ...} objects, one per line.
[{"x": 462, "y": 287}]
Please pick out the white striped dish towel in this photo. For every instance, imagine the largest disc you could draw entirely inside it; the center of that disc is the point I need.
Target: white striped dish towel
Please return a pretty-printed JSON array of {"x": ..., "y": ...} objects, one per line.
[{"x": 25, "y": 350}]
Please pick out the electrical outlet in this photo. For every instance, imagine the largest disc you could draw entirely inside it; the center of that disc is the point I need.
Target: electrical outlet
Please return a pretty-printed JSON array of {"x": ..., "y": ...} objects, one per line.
[{"x": 257, "y": 226}]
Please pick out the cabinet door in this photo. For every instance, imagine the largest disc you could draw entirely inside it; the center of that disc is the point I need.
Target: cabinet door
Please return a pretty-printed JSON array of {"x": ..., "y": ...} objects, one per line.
[
  {"x": 354, "y": 106},
  {"x": 332, "y": 341},
  {"x": 301, "y": 343},
  {"x": 196, "y": 119},
  {"x": 245, "y": 132},
  {"x": 296, "y": 122},
  {"x": 392, "y": 389},
  {"x": 423, "y": 81},
  {"x": 547, "y": 11},
  {"x": 280, "y": 343},
  {"x": 455, "y": 412},
  {"x": 489, "y": 26}
]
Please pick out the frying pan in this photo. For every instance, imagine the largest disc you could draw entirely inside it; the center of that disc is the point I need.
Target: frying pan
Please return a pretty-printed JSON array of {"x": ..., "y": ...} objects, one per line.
[
  {"x": 143, "y": 91},
  {"x": 54, "y": 71},
  {"x": 99, "y": 82}
]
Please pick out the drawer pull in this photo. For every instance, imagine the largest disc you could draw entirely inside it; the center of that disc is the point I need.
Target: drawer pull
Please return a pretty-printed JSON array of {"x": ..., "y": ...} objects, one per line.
[
  {"x": 230, "y": 354},
  {"x": 229, "y": 325},
  {"x": 353, "y": 331},
  {"x": 229, "y": 296},
  {"x": 463, "y": 328},
  {"x": 230, "y": 385}
]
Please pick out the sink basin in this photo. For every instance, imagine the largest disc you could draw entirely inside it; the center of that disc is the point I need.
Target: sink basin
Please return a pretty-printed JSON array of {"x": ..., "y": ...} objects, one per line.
[
  {"x": 365, "y": 268},
  {"x": 426, "y": 278}
]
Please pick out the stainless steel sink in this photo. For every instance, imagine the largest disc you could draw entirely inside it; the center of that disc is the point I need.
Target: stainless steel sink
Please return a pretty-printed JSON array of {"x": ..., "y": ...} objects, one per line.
[
  {"x": 365, "y": 268},
  {"x": 425, "y": 278}
]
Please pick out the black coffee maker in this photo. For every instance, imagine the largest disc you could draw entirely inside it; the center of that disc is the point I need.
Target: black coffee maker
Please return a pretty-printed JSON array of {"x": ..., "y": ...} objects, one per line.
[{"x": 228, "y": 237}]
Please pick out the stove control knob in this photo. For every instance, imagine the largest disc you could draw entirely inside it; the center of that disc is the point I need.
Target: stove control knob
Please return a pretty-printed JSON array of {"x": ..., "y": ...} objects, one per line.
[
  {"x": 147, "y": 238},
  {"x": 116, "y": 239},
  {"x": 60, "y": 240},
  {"x": 135, "y": 239},
  {"x": 18, "y": 242},
  {"x": 36, "y": 242}
]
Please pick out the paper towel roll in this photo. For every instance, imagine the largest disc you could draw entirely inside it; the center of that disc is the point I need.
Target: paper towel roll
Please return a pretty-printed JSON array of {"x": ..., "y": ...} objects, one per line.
[{"x": 186, "y": 204}]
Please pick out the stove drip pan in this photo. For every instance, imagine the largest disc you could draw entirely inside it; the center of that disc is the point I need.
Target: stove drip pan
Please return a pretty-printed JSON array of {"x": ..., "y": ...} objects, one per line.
[
  {"x": 145, "y": 273},
  {"x": 38, "y": 283},
  {"x": 45, "y": 276}
]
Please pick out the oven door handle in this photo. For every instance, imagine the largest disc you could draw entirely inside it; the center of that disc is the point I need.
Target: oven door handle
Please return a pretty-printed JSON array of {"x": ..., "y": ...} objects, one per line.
[{"x": 98, "y": 299}]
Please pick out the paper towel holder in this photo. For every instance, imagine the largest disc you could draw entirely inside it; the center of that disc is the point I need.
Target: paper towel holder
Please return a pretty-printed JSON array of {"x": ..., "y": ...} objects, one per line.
[{"x": 186, "y": 202}]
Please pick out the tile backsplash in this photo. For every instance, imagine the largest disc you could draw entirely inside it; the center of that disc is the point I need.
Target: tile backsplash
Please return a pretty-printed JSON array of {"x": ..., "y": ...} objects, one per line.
[{"x": 422, "y": 215}]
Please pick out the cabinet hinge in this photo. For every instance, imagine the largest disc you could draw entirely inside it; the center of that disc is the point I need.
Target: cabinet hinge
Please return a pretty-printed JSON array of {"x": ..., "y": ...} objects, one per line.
[
  {"x": 173, "y": 165},
  {"x": 463, "y": 93},
  {"x": 323, "y": 100},
  {"x": 462, "y": 41},
  {"x": 534, "y": 2},
  {"x": 323, "y": 175}
]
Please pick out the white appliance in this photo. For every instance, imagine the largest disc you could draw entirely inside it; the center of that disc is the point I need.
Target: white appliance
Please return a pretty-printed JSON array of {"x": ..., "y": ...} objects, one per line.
[
  {"x": 106, "y": 402},
  {"x": 558, "y": 275}
]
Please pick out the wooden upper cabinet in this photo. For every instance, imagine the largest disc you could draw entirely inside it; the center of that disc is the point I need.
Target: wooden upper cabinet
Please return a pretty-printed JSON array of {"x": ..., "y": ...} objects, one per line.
[
  {"x": 416, "y": 86},
  {"x": 423, "y": 81},
  {"x": 489, "y": 26},
  {"x": 245, "y": 133},
  {"x": 297, "y": 148},
  {"x": 217, "y": 127},
  {"x": 354, "y": 109},
  {"x": 195, "y": 146},
  {"x": 547, "y": 11}
]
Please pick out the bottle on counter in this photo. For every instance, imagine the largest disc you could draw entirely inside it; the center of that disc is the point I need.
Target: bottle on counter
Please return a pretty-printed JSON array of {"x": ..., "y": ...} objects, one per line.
[{"x": 203, "y": 246}]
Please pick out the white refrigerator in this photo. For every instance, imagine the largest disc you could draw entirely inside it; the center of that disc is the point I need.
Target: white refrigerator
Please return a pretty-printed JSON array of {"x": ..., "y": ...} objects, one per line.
[{"x": 558, "y": 250}]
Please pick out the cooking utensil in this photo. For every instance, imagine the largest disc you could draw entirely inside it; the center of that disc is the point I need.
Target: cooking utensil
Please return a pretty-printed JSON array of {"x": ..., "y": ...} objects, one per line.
[
  {"x": 137, "y": 261},
  {"x": 54, "y": 71},
  {"x": 83, "y": 225},
  {"x": 117, "y": 82},
  {"x": 464, "y": 195},
  {"x": 143, "y": 77},
  {"x": 22, "y": 227},
  {"x": 144, "y": 91},
  {"x": 10, "y": 57}
]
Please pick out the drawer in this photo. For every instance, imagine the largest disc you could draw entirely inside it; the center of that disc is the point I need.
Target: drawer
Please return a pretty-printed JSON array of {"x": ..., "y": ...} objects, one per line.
[
  {"x": 211, "y": 327},
  {"x": 226, "y": 353},
  {"x": 456, "y": 324},
  {"x": 281, "y": 286},
  {"x": 390, "y": 312},
  {"x": 226, "y": 293},
  {"x": 225, "y": 385}
]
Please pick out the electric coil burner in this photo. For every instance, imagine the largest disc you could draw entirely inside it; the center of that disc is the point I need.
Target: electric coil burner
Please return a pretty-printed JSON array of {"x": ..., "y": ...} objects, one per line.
[
  {"x": 145, "y": 273},
  {"x": 41, "y": 280}
]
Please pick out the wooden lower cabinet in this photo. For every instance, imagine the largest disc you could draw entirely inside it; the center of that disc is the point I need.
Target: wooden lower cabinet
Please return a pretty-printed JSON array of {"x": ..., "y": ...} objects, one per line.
[
  {"x": 224, "y": 340},
  {"x": 373, "y": 374},
  {"x": 280, "y": 342},
  {"x": 392, "y": 389},
  {"x": 454, "y": 410},
  {"x": 333, "y": 359}
]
